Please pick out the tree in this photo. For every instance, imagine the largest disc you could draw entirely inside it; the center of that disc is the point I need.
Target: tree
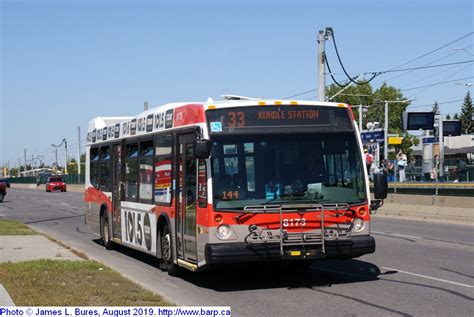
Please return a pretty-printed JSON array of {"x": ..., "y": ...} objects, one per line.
[
  {"x": 354, "y": 95},
  {"x": 467, "y": 125},
  {"x": 456, "y": 116},
  {"x": 435, "y": 107},
  {"x": 72, "y": 166},
  {"x": 448, "y": 117}
]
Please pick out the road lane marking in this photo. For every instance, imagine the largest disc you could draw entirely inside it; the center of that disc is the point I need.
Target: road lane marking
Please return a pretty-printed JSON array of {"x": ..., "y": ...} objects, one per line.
[
  {"x": 406, "y": 236},
  {"x": 65, "y": 204},
  {"x": 427, "y": 277},
  {"x": 397, "y": 235}
]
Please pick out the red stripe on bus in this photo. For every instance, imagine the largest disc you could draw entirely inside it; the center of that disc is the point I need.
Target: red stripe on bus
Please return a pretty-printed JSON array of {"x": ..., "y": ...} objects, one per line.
[{"x": 94, "y": 195}]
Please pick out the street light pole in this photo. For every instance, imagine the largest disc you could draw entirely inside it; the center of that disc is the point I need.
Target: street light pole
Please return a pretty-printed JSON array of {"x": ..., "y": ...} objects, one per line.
[{"x": 385, "y": 146}]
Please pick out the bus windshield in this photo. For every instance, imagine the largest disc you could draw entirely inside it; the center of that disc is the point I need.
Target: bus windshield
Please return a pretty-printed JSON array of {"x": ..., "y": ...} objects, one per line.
[{"x": 251, "y": 170}]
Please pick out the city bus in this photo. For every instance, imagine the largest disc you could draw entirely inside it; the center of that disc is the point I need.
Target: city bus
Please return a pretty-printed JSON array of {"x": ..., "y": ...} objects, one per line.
[{"x": 203, "y": 184}]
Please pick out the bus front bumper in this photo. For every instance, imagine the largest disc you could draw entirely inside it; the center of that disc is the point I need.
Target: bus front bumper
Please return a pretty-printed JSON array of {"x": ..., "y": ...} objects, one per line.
[{"x": 242, "y": 252}]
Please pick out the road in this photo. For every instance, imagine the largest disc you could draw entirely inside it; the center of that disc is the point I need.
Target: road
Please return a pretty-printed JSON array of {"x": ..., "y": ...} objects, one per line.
[{"x": 419, "y": 268}]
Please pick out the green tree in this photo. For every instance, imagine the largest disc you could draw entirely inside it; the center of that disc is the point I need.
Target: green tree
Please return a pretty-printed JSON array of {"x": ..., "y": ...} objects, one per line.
[
  {"x": 456, "y": 116},
  {"x": 466, "y": 115},
  {"x": 435, "y": 108},
  {"x": 354, "y": 95},
  {"x": 72, "y": 166},
  {"x": 448, "y": 117}
]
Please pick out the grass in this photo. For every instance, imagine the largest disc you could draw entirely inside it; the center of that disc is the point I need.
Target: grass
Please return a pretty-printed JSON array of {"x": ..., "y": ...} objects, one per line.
[
  {"x": 15, "y": 228},
  {"x": 72, "y": 283}
]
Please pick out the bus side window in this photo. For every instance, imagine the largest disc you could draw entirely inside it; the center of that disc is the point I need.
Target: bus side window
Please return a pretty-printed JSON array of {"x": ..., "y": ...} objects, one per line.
[
  {"x": 163, "y": 168},
  {"x": 131, "y": 172},
  {"x": 146, "y": 171},
  {"x": 104, "y": 171},
  {"x": 94, "y": 165}
]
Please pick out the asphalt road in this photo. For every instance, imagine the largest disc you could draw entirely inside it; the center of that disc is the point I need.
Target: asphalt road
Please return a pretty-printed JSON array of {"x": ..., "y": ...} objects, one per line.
[{"x": 419, "y": 268}]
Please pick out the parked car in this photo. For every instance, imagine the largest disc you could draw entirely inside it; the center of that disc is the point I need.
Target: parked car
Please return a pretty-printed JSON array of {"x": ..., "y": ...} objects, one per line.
[
  {"x": 6, "y": 181},
  {"x": 3, "y": 190},
  {"x": 55, "y": 183}
]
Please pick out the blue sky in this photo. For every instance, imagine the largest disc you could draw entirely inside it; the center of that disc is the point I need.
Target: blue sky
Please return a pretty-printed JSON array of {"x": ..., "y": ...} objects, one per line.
[{"x": 65, "y": 62}]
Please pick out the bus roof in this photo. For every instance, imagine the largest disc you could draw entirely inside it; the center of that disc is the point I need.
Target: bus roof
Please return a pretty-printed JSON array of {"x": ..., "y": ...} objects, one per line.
[{"x": 179, "y": 114}]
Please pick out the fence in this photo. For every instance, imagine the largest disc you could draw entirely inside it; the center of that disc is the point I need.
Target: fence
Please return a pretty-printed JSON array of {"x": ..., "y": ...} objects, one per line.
[{"x": 69, "y": 179}]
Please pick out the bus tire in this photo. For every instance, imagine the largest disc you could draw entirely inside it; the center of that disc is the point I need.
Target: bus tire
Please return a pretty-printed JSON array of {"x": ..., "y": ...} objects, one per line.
[
  {"x": 166, "y": 261},
  {"x": 105, "y": 233}
]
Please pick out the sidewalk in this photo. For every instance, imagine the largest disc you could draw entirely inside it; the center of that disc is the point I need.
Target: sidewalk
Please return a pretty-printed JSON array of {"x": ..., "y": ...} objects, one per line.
[{"x": 26, "y": 248}]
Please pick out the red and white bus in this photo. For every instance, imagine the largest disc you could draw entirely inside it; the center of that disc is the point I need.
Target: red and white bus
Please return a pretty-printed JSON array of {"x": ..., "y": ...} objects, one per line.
[{"x": 231, "y": 181}]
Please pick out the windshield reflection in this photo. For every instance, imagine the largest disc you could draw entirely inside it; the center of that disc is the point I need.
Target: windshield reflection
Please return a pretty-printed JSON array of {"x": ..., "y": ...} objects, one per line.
[{"x": 297, "y": 168}]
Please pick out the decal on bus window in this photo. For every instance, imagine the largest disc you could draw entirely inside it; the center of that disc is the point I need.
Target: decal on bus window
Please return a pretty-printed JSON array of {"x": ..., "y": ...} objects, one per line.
[
  {"x": 216, "y": 126},
  {"x": 126, "y": 128},
  {"x": 133, "y": 127},
  {"x": 139, "y": 229},
  {"x": 117, "y": 130},
  {"x": 169, "y": 119},
  {"x": 149, "y": 123},
  {"x": 104, "y": 134},
  {"x": 141, "y": 124}
]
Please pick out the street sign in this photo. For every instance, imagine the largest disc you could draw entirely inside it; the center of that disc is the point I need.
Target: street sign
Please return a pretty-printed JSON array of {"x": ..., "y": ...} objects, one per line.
[
  {"x": 395, "y": 140},
  {"x": 372, "y": 135},
  {"x": 431, "y": 139}
]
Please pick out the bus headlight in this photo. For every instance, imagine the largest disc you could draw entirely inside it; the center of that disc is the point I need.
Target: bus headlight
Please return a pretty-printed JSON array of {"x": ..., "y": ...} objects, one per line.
[
  {"x": 224, "y": 232},
  {"x": 358, "y": 225}
]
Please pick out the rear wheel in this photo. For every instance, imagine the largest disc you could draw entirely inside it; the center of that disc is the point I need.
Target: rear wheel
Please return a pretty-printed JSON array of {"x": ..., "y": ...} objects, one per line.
[
  {"x": 105, "y": 234},
  {"x": 167, "y": 253}
]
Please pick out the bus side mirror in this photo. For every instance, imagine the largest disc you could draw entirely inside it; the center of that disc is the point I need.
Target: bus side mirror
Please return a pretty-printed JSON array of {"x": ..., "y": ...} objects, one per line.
[
  {"x": 202, "y": 149},
  {"x": 380, "y": 186}
]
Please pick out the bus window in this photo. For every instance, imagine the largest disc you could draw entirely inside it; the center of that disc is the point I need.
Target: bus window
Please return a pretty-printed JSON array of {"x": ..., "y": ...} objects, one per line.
[
  {"x": 131, "y": 172},
  {"x": 104, "y": 171},
  {"x": 94, "y": 173},
  {"x": 146, "y": 170},
  {"x": 163, "y": 168}
]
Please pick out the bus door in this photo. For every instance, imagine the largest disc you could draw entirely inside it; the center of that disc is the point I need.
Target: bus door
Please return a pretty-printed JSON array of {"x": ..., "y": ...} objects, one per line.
[
  {"x": 186, "y": 199},
  {"x": 117, "y": 167}
]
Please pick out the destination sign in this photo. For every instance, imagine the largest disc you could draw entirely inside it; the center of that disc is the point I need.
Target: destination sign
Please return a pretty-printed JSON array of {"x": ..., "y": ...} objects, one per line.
[{"x": 223, "y": 120}]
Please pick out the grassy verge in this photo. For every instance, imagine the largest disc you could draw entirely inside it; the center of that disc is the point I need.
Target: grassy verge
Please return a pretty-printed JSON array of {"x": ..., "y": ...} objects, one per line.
[
  {"x": 14, "y": 228},
  {"x": 72, "y": 283}
]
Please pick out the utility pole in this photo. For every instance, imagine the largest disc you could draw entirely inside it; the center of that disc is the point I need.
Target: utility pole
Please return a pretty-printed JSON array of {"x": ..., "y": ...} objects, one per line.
[
  {"x": 19, "y": 166},
  {"x": 24, "y": 153},
  {"x": 79, "y": 155},
  {"x": 65, "y": 150},
  {"x": 385, "y": 145},
  {"x": 323, "y": 36},
  {"x": 56, "y": 156},
  {"x": 145, "y": 105},
  {"x": 441, "y": 146}
]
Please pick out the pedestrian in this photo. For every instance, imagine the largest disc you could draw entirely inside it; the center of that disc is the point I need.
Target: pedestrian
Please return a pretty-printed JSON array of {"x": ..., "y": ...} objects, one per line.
[
  {"x": 401, "y": 164},
  {"x": 369, "y": 159},
  {"x": 390, "y": 171}
]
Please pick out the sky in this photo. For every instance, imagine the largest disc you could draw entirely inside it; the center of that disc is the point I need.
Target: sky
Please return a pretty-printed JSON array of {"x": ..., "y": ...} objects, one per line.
[{"x": 65, "y": 62}]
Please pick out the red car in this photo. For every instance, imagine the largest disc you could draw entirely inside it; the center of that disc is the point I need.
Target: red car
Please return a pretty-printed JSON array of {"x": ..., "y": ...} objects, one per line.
[
  {"x": 3, "y": 191},
  {"x": 55, "y": 183}
]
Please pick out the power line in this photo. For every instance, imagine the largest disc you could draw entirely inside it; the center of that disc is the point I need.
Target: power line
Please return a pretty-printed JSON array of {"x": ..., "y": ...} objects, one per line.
[
  {"x": 430, "y": 63},
  {"x": 420, "y": 67},
  {"x": 344, "y": 69},
  {"x": 439, "y": 103},
  {"x": 433, "y": 51},
  {"x": 437, "y": 83},
  {"x": 300, "y": 94}
]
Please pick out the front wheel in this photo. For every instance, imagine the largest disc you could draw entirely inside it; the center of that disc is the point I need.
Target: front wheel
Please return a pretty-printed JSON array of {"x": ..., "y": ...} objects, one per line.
[
  {"x": 105, "y": 234},
  {"x": 166, "y": 261}
]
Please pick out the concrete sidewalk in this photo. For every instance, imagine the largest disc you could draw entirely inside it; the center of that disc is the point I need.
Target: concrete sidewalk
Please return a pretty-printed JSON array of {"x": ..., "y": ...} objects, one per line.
[{"x": 26, "y": 248}]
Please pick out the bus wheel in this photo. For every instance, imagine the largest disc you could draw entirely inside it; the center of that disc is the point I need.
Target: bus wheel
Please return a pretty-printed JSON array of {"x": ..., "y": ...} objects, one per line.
[
  {"x": 106, "y": 241},
  {"x": 167, "y": 253}
]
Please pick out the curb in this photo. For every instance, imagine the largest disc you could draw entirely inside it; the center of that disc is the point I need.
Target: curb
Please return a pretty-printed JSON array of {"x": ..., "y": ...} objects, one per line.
[{"x": 5, "y": 299}]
